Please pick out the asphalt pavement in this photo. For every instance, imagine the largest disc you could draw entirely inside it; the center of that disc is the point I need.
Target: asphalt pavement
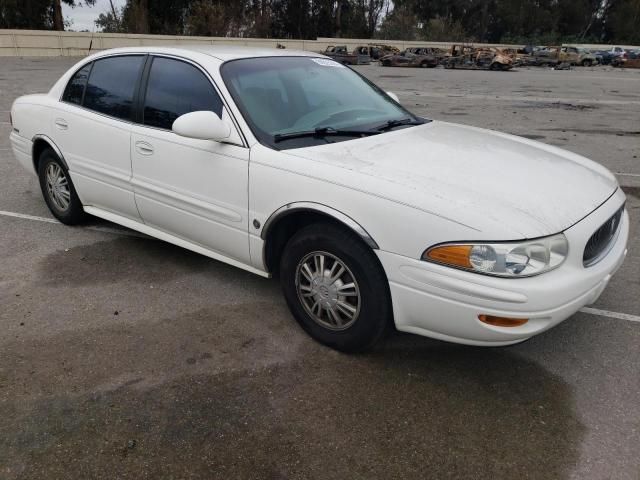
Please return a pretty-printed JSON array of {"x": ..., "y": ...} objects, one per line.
[{"x": 126, "y": 357}]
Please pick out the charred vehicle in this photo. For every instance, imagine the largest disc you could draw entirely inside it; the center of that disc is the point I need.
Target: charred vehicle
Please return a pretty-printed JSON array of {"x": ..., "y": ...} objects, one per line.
[
  {"x": 341, "y": 54},
  {"x": 629, "y": 59},
  {"x": 468, "y": 57},
  {"x": 376, "y": 51},
  {"x": 552, "y": 56},
  {"x": 611, "y": 55},
  {"x": 576, "y": 56},
  {"x": 586, "y": 58},
  {"x": 412, "y": 57}
]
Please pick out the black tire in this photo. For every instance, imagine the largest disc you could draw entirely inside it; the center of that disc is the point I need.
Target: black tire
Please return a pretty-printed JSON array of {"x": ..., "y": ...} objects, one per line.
[
  {"x": 73, "y": 214},
  {"x": 374, "y": 313},
  {"x": 586, "y": 63}
]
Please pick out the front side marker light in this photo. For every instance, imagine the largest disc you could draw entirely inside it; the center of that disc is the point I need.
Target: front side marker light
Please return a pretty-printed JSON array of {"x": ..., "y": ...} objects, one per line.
[{"x": 502, "y": 321}]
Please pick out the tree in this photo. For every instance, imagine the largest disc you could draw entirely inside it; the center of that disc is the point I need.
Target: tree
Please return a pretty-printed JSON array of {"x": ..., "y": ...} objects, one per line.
[
  {"x": 400, "y": 24},
  {"x": 36, "y": 14},
  {"x": 622, "y": 20},
  {"x": 111, "y": 21},
  {"x": 517, "y": 21}
]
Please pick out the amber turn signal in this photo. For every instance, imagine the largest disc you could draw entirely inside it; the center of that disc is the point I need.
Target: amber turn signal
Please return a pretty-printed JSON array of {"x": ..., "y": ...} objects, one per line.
[
  {"x": 502, "y": 321},
  {"x": 457, "y": 255}
]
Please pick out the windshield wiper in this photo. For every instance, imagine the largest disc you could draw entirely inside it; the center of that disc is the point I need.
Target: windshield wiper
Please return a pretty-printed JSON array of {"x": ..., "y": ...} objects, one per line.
[
  {"x": 323, "y": 132},
  {"x": 397, "y": 123}
]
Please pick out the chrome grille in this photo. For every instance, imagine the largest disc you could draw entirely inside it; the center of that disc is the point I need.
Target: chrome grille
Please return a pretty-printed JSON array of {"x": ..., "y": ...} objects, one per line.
[{"x": 602, "y": 238}]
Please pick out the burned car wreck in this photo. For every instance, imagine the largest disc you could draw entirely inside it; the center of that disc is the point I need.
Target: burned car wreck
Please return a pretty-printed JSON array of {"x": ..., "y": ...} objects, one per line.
[
  {"x": 413, "y": 57},
  {"x": 471, "y": 58}
]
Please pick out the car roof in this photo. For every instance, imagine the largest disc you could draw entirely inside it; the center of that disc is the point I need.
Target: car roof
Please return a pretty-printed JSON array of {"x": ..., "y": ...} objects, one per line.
[{"x": 221, "y": 52}]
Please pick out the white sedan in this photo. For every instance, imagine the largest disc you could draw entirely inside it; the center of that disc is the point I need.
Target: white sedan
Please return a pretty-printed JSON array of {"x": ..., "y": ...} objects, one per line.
[{"x": 288, "y": 163}]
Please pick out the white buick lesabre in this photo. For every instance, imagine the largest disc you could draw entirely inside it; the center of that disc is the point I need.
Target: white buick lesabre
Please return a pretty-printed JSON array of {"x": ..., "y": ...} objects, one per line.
[{"x": 288, "y": 163}]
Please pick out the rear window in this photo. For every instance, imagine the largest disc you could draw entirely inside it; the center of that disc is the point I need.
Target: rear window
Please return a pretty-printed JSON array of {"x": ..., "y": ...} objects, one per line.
[
  {"x": 112, "y": 85},
  {"x": 75, "y": 88}
]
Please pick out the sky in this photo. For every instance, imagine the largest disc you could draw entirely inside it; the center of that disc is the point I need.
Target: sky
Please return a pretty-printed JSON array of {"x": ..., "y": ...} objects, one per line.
[{"x": 83, "y": 17}]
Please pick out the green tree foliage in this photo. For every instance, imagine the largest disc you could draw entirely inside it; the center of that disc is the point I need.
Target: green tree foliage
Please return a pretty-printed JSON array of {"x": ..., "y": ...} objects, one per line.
[
  {"x": 36, "y": 14},
  {"x": 527, "y": 21},
  {"x": 516, "y": 21},
  {"x": 623, "y": 21}
]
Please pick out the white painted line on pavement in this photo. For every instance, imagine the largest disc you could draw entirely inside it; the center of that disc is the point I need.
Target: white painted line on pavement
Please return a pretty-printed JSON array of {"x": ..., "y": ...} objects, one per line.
[
  {"x": 607, "y": 313},
  {"x": 28, "y": 217},
  {"x": 628, "y": 174},
  {"x": 115, "y": 231}
]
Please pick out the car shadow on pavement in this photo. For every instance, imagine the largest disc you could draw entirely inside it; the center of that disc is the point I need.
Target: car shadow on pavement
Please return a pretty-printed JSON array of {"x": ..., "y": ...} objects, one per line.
[{"x": 208, "y": 396}]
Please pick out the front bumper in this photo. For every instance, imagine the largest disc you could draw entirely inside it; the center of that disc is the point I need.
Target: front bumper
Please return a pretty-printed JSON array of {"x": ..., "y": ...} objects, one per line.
[
  {"x": 22, "y": 150},
  {"x": 444, "y": 303}
]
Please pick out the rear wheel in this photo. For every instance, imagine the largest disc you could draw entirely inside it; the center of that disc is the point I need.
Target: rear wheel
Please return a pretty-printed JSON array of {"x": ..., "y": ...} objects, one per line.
[
  {"x": 58, "y": 190},
  {"x": 586, "y": 63},
  {"x": 335, "y": 287}
]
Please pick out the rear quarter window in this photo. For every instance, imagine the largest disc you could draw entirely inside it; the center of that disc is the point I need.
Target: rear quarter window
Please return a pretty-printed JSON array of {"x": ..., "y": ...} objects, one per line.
[{"x": 75, "y": 88}]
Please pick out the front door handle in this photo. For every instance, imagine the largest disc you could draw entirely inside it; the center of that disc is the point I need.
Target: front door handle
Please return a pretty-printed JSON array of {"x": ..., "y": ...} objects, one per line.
[
  {"x": 61, "y": 123},
  {"x": 144, "y": 148}
]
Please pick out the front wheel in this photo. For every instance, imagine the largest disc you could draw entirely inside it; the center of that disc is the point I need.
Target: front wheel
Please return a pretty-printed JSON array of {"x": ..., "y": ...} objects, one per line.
[{"x": 335, "y": 287}]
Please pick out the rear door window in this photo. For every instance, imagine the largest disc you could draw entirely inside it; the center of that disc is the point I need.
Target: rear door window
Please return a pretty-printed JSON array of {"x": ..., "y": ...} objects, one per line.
[
  {"x": 176, "y": 88},
  {"x": 112, "y": 84}
]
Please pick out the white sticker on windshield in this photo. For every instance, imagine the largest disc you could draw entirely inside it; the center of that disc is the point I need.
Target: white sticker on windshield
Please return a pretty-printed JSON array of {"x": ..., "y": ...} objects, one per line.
[{"x": 325, "y": 62}]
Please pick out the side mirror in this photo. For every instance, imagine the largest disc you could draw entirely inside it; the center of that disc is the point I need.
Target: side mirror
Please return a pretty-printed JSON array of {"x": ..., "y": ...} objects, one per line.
[
  {"x": 201, "y": 125},
  {"x": 394, "y": 96}
]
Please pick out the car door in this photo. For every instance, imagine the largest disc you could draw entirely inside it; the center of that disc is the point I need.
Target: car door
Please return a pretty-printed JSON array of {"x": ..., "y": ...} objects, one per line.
[
  {"x": 193, "y": 189},
  {"x": 92, "y": 128},
  {"x": 403, "y": 59},
  {"x": 564, "y": 55}
]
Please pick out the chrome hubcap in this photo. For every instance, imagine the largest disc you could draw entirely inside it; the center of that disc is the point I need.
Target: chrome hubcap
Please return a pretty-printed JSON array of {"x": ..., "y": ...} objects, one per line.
[
  {"x": 57, "y": 186},
  {"x": 328, "y": 290}
]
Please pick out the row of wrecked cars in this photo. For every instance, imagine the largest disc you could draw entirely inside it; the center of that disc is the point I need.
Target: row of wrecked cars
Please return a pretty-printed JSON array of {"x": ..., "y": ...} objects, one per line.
[
  {"x": 458, "y": 56},
  {"x": 483, "y": 58},
  {"x": 572, "y": 56}
]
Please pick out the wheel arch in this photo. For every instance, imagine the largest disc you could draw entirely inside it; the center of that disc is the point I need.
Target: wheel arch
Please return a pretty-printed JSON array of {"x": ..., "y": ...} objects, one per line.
[
  {"x": 288, "y": 219},
  {"x": 40, "y": 143}
]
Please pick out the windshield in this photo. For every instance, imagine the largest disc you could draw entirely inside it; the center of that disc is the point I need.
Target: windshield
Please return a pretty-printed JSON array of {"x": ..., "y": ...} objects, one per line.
[{"x": 282, "y": 96}]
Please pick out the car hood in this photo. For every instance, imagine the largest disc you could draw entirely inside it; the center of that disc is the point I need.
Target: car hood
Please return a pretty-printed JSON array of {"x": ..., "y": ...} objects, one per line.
[{"x": 494, "y": 183}]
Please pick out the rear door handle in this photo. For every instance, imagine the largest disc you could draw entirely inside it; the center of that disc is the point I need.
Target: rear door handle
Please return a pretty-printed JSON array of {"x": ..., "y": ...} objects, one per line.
[
  {"x": 61, "y": 123},
  {"x": 144, "y": 148}
]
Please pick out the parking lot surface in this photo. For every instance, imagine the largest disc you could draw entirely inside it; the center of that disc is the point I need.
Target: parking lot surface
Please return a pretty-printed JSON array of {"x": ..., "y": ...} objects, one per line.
[{"x": 125, "y": 357}]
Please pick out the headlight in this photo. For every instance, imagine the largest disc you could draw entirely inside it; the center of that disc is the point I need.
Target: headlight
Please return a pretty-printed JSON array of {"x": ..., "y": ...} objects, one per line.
[{"x": 508, "y": 259}]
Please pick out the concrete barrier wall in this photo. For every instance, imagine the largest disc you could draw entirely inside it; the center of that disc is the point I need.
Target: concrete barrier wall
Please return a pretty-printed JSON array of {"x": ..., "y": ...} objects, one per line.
[{"x": 43, "y": 43}]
